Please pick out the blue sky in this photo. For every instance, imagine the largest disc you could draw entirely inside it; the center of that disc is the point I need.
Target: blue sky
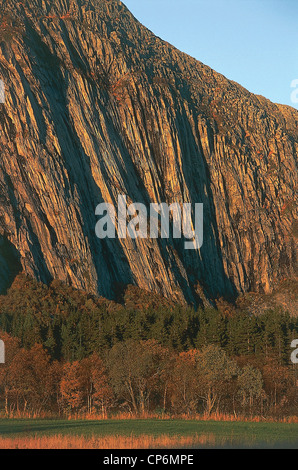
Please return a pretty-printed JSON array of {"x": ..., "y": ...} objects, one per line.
[{"x": 254, "y": 42}]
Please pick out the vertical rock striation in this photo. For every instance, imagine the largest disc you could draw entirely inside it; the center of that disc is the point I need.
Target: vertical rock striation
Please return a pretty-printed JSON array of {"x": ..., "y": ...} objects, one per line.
[{"x": 97, "y": 106}]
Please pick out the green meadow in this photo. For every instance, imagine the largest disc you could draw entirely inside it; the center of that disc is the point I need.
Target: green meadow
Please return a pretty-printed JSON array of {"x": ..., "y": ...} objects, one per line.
[{"x": 223, "y": 434}]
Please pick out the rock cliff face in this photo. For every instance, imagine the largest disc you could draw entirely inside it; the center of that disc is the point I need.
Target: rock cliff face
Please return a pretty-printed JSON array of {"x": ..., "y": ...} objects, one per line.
[{"x": 97, "y": 106}]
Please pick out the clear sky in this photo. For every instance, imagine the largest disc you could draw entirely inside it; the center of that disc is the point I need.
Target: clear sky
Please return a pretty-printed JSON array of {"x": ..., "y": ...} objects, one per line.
[{"x": 254, "y": 42}]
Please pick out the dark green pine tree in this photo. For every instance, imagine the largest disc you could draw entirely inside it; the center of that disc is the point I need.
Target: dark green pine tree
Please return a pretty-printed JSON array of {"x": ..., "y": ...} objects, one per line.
[
  {"x": 244, "y": 335},
  {"x": 212, "y": 330}
]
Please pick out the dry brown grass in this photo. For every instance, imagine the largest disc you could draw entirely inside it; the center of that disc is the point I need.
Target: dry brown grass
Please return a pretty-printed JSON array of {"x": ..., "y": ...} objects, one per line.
[
  {"x": 198, "y": 417},
  {"x": 166, "y": 416},
  {"x": 107, "y": 442}
]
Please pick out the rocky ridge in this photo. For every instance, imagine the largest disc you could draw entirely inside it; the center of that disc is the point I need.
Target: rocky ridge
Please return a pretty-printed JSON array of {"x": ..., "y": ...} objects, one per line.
[{"x": 97, "y": 106}]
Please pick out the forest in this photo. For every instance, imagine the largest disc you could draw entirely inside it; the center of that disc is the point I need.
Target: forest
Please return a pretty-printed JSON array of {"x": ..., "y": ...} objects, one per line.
[{"x": 70, "y": 353}]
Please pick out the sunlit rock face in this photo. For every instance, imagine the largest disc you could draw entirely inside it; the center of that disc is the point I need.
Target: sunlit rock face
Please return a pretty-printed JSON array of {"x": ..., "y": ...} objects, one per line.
[{"x": 97, "y": 106}]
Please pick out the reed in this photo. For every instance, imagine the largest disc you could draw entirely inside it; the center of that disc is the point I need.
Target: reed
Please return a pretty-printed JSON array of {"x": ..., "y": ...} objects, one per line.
[
  {"x": 224, "y": 417},
  {"x": 107, "y": 442}
]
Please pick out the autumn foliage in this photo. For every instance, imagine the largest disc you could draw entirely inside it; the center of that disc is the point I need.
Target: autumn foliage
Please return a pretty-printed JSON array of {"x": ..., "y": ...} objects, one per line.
[
  {"x": 141, "y": 377},
  {"x": 71, "y": 354}
]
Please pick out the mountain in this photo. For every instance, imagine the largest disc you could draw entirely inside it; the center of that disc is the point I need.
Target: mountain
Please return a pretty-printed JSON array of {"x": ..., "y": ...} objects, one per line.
[{"x": 97, "y": 106}]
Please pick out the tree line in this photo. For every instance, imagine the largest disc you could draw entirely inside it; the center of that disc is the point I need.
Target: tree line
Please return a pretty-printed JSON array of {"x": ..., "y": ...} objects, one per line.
[
  {"x": 144, "y": 377},
  {"x": 68, "y": 352}
]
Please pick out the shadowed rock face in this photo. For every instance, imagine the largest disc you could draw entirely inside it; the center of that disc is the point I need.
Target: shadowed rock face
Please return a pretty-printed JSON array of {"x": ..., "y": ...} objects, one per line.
[{"x": 97, "y": 106}]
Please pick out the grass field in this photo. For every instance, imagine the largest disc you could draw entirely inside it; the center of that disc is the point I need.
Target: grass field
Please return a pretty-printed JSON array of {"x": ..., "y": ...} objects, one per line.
[{"x": 147, "y": 433}]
